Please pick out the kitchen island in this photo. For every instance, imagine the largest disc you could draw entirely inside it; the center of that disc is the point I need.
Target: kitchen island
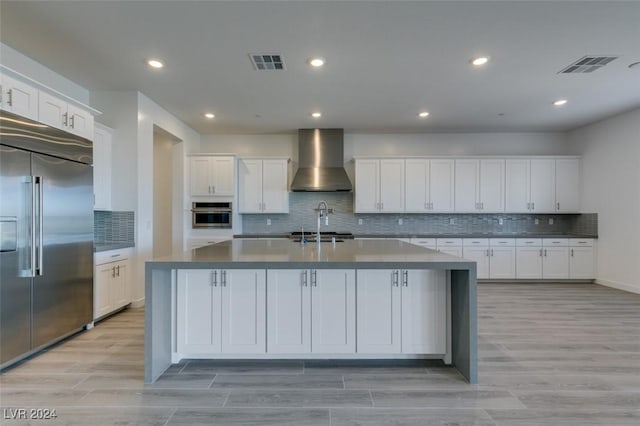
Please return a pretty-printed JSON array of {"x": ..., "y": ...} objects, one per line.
[{"x": 274, "y": 299}]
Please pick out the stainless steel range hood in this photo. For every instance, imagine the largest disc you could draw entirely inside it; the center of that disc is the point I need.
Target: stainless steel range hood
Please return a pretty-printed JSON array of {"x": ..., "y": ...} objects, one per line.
[{"x": 321, "y": 161}]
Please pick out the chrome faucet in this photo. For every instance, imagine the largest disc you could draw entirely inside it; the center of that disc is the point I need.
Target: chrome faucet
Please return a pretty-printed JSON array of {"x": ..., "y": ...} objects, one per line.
[{"x": 323, "y": 212}]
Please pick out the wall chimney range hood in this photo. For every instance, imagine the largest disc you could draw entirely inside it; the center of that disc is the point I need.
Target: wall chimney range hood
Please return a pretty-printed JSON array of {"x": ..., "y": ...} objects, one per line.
[{"x": 321, "y": 161}]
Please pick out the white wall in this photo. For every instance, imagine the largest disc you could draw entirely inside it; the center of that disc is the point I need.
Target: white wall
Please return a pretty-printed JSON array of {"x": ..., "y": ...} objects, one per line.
[
  {"x": 162, "y": 195},
  {"x": 26, "y": 66},
  {"x": 610, "y": 152}
]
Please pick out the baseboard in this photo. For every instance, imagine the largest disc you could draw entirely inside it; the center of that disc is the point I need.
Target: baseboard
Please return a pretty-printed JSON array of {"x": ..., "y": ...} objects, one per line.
[
  {"x": 138, "y": 303},
  {"x": 620, "y": 286}
]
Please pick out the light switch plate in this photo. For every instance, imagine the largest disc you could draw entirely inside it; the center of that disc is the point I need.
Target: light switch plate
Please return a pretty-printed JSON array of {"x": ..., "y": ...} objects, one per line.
[
  {"x": 550, "y": 221},
  {"x": 359, "y": 221},
  {"x": 536, "y": 221},
  {"x": 268, "y": 222},
  {"x": 399, "y": 221}
]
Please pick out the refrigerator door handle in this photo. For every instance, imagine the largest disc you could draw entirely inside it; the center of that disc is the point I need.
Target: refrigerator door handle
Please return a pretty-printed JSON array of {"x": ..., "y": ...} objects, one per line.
[{"x": 39, "y": 183}]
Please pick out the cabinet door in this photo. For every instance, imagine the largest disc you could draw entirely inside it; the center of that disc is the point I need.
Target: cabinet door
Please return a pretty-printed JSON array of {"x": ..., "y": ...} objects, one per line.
[
  {"x": 102, "y": 292},
  {"x": 492, "y": 185},
  {"x": 198, "y": 311},
  {"x": 18, "y": 97},
  {"x": 367, "y": 186},
  {"x": 543, "y": 185},
  {"x": 52, "y": 111},
  {"x": 250, "y": 186},
  {"x": 480, "y": 255},
  {"x": 502, "y": 263},
  {"x": 102, "y": 168},
  {"x": 120, "y": 285},
  {"x": 378, "y": 311},
  {"x": 243, "y": 311},
  {"x": 467, "y": 185},
  {"x": 275, "y": 197},
  {"x": 424, "y": 312},
  {"x": 392, "y": 186},
  {"x": 416, "y": 186},
  {"x": 518, "y": 185},
  {"x": 222, "y": 175},
  {"x": 333, "y": 317},
  {"x": 528, "y": 263},
  {"x": 441, "y": 185},
  {"x": 581, "y": 263},
  {"x": 79, "y": 122},
  {"x": 288, "y": 311},
  {"x": 568, "y": 185},
  {"x": 555, "y": 263},
  {"x": 200, "y": 176}
]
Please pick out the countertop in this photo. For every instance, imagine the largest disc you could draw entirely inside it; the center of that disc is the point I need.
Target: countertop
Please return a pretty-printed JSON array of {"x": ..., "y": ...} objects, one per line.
[
  {"x": 285, "y": 254},
  {"x": 472, "y": 235},
  {"x": 100, "y": 247}
]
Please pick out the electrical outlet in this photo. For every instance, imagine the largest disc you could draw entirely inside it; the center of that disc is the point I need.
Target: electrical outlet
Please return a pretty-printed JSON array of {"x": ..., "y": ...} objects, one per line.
[
  {"x": 268, "y": 222},
  {"x": 536, "y": 221},
  {"x": 399, "y": 221},
  {"x": 359, "y": 221},
  {"x": 452, "y": 221},
  {"x": 500, "y": 221},
  {"x": 550, "y": 221}
]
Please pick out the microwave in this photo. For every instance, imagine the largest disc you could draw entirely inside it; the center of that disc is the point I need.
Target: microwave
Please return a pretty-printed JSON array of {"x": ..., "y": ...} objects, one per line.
[{"x": 211, "y": 215}]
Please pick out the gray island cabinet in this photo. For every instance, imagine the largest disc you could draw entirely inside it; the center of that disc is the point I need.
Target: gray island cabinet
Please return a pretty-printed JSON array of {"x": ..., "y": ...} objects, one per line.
[{"x": 275, "y": 299}]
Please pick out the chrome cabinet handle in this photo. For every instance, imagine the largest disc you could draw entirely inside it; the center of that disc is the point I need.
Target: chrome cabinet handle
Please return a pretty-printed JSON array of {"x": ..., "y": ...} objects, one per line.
[
  {"x": 545, "y": 252},
  {"x": 491, "y": 252},
  {"x": 394, "y": 278},
  {"x": 65, "y": 119},
  {"x": 557, "y": 206},
  {"x": 113, "y": 272},
  {"x": 213, "y": 189},
  {"x": 405, "y": 278},
  {"x": 533, "y": 206},
  {"x": 314, "y": 278},
  {"x": 540, "y": 252},
  {"x": 486, "y": 252},
  {"x": 571, "y": 252},
  {"x": 481, "y": 206},
  {"x": 214, "y": 278},
  {"x": 10, "y": 97},
  {"x": 223, "y": 278},
  {"x": 72, "y": 121},
  {"x": 304, "y": 278},
  {"x": 118, "y": 271}
]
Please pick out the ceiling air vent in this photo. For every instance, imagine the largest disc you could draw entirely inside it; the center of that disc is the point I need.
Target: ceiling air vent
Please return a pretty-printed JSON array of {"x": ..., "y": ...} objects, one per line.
[
  {"x": 267, "y": 61},
  {"x": 587, "y": 64}
]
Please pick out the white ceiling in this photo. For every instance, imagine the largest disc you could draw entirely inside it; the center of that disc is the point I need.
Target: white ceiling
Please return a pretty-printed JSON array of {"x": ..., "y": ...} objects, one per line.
[{"x": 386, "y": 60}]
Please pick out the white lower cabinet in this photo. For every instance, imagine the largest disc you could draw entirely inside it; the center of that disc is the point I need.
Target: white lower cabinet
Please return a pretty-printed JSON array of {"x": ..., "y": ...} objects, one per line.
[
  {"x": 502, "y": 262},
  {"x": 581, "y": 258},
  {"x": 111, "y": 282},
  {"x": 221, "y": 311},
  {"x": 311, "y": 311},
  {"x": 401, "y": 311},
  {"x": 555, "y": 263}
]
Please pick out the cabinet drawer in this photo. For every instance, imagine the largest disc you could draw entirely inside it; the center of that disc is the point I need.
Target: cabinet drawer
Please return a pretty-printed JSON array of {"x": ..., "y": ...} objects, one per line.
[
  {"x": 502, "y": 242},
  {"x": 449, "y": 242},
  {"x": 581, "y": 242},
  {"x": 425, "y": 242},
  {"x": 475, "y": 242},
  {"x": 555, "y": 242},
  {"x": 528, "y": 242},
  {"x": 110, "y": 256}
]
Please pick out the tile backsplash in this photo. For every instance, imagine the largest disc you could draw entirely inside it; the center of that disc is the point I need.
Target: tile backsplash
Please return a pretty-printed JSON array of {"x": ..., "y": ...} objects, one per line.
[
  {"x": 343, "y": 219},
  {"x": 113, "y": 227}
]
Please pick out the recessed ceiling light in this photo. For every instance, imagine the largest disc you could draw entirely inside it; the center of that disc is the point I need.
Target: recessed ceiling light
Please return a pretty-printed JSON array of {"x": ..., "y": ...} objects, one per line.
[
  {"x": 209, "y": 115},
  {"x": 479, "y": 61},
  {"x": 423, "y": 114},
  {"x": 154, "y": 63},
  {"x": 316, "y": 114},
  {"x": 560, "y": 102},
  {"x": 316, "y": 62}
]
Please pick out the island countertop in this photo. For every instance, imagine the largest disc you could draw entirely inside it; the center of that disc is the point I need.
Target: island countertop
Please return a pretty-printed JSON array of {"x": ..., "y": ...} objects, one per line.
[{"x": 285, "y": 254}]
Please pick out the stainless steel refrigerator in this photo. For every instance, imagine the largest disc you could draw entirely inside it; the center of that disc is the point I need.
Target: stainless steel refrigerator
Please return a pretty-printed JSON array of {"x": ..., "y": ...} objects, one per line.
[{"x": 46, "y": 234}]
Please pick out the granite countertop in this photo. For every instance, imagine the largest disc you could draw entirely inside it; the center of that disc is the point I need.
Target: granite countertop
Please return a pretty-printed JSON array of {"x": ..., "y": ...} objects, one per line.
[
  {"x": 285, "y": 254},
  {"x": 100, "y": 247}
]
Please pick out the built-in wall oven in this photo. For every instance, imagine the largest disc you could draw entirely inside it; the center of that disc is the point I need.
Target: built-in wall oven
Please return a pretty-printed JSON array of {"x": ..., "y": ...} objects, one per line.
[{"x": 211, "y": 215}]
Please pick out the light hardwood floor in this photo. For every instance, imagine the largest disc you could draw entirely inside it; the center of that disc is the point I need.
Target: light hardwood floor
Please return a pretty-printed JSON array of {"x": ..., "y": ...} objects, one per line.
[{"x": 550, "y": 354}]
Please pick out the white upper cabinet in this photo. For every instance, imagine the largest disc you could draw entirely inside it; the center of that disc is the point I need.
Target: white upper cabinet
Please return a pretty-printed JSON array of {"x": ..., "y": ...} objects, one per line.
[
  {"x": 380, "y": 186},
  {"x": 429, "y": 185},
  {"x": 102, "y": 163},
  {"x": 530, "y": 185},
  {"x": 568, "y": 185},
  {"x": 18, "y": 97},
  {"x": 263, "y": 185},
  {"x": 212, "y": 175},
  {"x": 479, "y": 185},
  {"x": 59, "y": 113}
]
